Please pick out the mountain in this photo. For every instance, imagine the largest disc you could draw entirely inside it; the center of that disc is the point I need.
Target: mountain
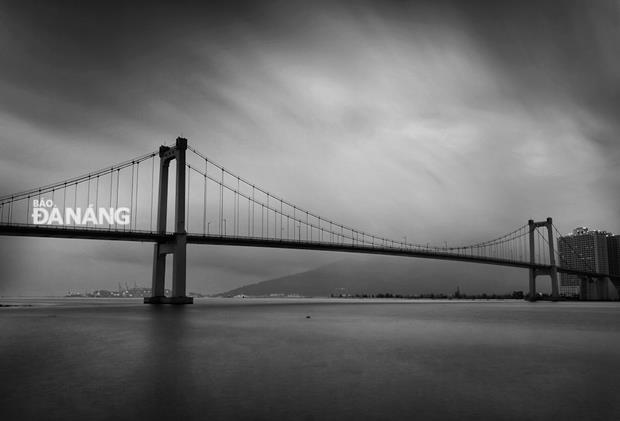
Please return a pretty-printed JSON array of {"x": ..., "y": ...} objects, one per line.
[{"x": 401, "y": 276}]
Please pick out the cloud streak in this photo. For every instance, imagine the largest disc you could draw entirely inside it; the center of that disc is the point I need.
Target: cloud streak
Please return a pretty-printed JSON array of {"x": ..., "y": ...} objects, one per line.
[{"x": 442, "y": 121}]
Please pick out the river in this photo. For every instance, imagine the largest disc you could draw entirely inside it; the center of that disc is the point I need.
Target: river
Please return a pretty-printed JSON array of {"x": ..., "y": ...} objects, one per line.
[{"x": 309, "y": 359}]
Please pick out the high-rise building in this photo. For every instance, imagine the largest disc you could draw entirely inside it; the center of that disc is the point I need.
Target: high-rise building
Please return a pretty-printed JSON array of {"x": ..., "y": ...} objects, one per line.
[
  {"x": 613, "y": 252},
  {"x": 586, "y": 250}
]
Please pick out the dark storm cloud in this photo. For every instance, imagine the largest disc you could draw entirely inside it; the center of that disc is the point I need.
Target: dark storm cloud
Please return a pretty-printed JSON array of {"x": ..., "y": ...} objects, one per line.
[
  {"x": 556, "y": 52},
  {"x": 73, "y": 67},
  {"x": 115, "y": 58},
  {"x": 439, "y": 120}
]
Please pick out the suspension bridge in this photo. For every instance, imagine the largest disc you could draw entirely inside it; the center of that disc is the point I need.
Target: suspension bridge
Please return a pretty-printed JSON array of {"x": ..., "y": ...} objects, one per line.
[{"x": 212, "y": 205}]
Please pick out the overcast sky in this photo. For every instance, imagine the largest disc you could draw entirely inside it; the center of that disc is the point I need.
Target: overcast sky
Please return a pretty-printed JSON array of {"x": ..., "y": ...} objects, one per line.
[{"x": 439, "y": 120}]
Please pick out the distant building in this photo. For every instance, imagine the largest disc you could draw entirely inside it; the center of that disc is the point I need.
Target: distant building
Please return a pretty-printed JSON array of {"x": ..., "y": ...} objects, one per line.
[
  {"x": 613, "y": 253},
  {"x": 586, "y": 250}
]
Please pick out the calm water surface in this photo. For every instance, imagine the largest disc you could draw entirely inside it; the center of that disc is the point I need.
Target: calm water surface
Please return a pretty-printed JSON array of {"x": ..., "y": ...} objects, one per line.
[{"x": 262, "y": 359}]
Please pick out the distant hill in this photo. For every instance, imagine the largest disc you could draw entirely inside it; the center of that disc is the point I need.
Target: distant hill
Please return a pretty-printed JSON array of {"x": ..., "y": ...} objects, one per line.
[{"x": 400, "y": 276}]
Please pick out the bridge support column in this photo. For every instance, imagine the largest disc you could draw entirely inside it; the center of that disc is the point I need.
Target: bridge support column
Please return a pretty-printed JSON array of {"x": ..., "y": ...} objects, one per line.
[
  {"x": 536, "y": 269},
  {"x": 532, "y": 293},
  {"x": 159, "y": 273},
  {"x": 179, "y": 266},
  {"x": 555, "y": 290},
  {"x": 553, "y": 272},
  {"x": 178, "y": 245}
]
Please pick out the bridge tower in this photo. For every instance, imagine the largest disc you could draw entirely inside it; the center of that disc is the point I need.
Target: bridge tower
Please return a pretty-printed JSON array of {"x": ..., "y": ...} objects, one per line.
[
  {"x": 552, "y": 270},
  {"x": 178, "y": 245}
]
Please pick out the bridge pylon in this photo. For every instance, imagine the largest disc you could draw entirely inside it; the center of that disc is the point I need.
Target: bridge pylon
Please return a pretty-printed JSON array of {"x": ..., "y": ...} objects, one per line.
[
  {"x": 552, "y": 270},
  {"x": 178, "y": 245}
]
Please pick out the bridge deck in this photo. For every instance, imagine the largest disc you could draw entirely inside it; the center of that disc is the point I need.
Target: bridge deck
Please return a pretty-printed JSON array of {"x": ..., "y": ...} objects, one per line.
[{"x": 149, "y": 236}]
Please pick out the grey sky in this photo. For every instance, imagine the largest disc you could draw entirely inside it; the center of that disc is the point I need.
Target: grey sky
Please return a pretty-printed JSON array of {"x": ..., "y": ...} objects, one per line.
[{"x": 438, "y": 120}]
